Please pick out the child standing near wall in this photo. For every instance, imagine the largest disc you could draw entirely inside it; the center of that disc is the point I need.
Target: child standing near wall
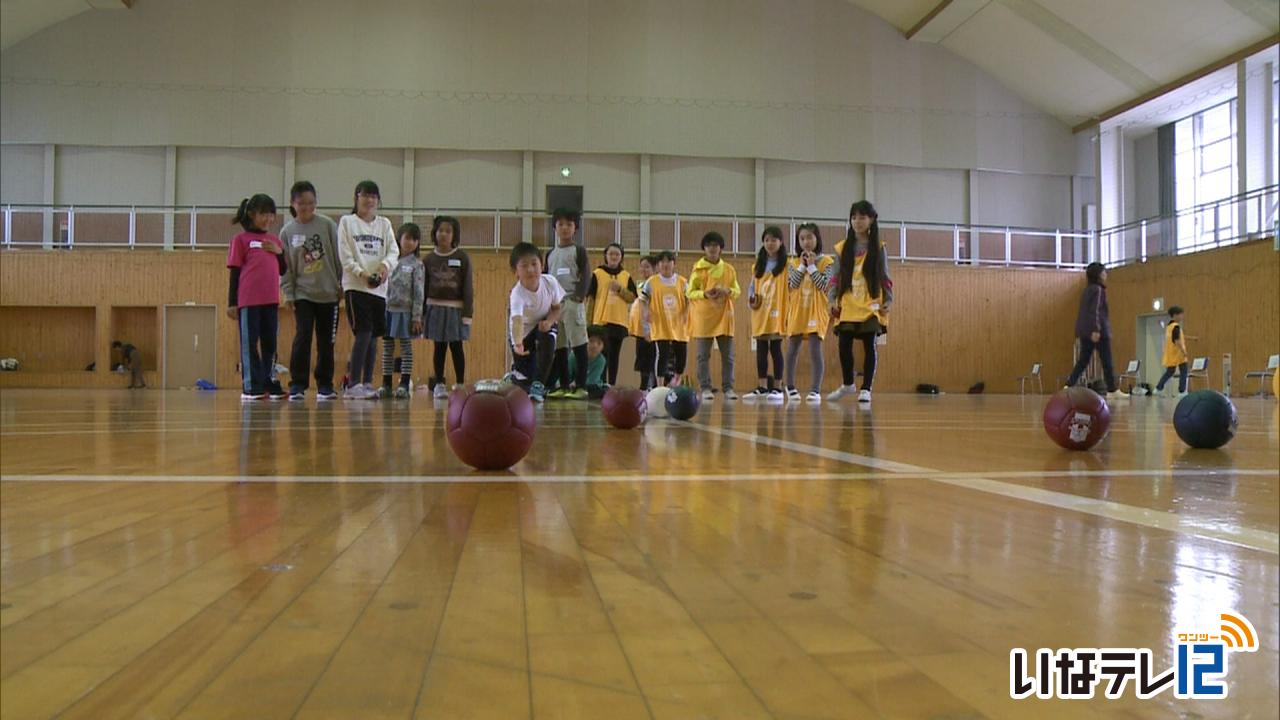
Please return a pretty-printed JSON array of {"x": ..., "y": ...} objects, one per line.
[
  {"x": 567, "y": 263},
  {"x": 368, "y": 251},
  {"x": 713, "y": 287},
  {"x": 404, "y": 311},
  {"x": 638, "y": 326},
  {"x": 1175, "y": 352},
  {"x": 610, "y": 292},
  {"x": 312, "y": 286},
  {"x": 862, "y": 297},
  {"x": 256, "y": 261},
  {"x": 666, "y": 315},
  {"x": 808, "y": 282},
  {"x": 449, "y": 301},
  {"x": 767, "y": 296}
]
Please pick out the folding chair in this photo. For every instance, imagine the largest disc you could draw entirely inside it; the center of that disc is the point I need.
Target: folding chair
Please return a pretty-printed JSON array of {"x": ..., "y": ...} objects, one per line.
[
  {"x": 1199, "y": 369},
  {"x": 1033, "y": 375},
  {"x": 1273, "y": 362},
  {"x": 1131, "y": 372}
]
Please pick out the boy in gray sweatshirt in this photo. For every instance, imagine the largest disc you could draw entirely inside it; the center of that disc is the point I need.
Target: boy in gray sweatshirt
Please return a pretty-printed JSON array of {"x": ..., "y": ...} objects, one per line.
[{"x": 312, "y": 286}]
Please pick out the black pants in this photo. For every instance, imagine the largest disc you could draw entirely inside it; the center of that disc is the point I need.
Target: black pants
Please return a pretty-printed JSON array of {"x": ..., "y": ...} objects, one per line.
[
  {"x": 1087, "y": 347},
  {"x": 845, "y": 342},
  {"x": 673, "y": 355},
  {"x": 561, "y": 367},
  {"x": 459, "y": 362},
  {"x": 1168, "y": 373},
  {"x": 613, "y": 337},
  {"x": 646, "y": 359},
  {"x": 540, "y": 350},
  {"x": 133, "y": 361},
  {"x": 764, "y": 350},
  {"x": 320, "y": 320},
  {"x": 258, "y": 325},
  {"x": 367, "y": 314}
]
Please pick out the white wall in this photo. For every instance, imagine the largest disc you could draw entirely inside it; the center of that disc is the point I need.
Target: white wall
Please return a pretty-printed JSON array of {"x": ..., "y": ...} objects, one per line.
[
  {"x": 811, "y": 190},
  {"x": 108, "y": 175},
  {"x": 801, "y": 80},
  {"x": 21, "y": 173},
  {"x": 609, "y": 182},
  {"x": 922, "y": 195},
  {"x": 459, "y": 179},
  {"x": 223, "y": 176},
  {"x": 336, "y": 172},
  {"x": 1042, "y": 201},
  {"x": 703, "y": 185}
]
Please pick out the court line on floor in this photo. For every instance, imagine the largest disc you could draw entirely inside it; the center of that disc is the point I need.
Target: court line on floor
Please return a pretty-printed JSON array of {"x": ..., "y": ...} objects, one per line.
[{"x": 1256, "y": 539}]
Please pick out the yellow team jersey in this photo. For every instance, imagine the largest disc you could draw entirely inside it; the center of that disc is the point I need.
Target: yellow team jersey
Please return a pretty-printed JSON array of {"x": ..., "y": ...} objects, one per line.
[
  {"x": 712, "y": 318},
  {"x": 806, "y": 308},
  {"x": 769, "y": 317},
  {"x": 857, "y": 304},
  {"x": 668, "y": 309},
  {"x": 635, "y": 317},
  {"x": 1174, "y": 353},
  {"x": 609, "y": 308}
]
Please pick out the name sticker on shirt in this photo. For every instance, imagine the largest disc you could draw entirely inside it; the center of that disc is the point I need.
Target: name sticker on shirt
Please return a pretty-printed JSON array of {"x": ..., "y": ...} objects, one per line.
[
  {"x": 563, "y": 271},
  {"x": 455, "y": 263},
  {"x": 297, "y": 240},
  {"x": 255, "y": 244}
]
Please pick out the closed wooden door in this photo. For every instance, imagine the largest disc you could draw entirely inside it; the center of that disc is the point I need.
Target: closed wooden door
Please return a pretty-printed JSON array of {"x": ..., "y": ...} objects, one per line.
[{"x": 189, "y": 344}]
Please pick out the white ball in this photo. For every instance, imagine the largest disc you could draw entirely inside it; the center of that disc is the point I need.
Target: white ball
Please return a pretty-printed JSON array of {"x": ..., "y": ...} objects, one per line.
[{"x": 658, "y": 402}]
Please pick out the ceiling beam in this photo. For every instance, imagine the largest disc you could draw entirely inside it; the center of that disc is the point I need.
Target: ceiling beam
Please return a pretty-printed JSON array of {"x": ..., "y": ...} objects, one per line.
[
  {"x": 1264, "y": 12},
  {"x": 1081, "y": 44},
  {"x": 1172, "y": 85},
  {"x": 929, "y": 16}
]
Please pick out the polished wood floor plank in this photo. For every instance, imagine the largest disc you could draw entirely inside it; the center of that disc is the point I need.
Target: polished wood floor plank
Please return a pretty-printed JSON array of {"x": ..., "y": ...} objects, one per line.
[{"x": 169, "y": 554}]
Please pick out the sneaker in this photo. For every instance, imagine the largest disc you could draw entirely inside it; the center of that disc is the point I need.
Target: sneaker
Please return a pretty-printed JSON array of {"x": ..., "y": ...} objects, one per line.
[
  {"x": 729, "y": 394},
  {"x": 326, "y": 394},
  {"x": 384, "y": 392},
  {"x": 297, "y": 395},
  {"x": 793, "y": 394},
  {"x": 755, "y": 395},
  {"x": 537, "y": 392},
  {"x": 558, "y": 394},
  {"x": 813, "y": 397},
  {"x": 276, "y": 392},
  {"x": 441, "y": 392},
  {"x": 775, "y": 395},
  {"x": 864, "y": 396},
  {"x": 708, "y": 396},
  {"x": 840, "y": 392},
  {"x": 1181, "y": 395},
  {"x": 252, "y": 396},
  {"x": 402, "y": 392},
  {"x": 360, "y": 392},
  {"x": 578, "y": 394}
]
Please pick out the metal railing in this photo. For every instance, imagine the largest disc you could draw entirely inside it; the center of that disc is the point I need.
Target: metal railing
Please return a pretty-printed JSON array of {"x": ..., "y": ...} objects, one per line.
[
  {"x": 207, "y": 227},
  {"x": 1246, "y": 216}
]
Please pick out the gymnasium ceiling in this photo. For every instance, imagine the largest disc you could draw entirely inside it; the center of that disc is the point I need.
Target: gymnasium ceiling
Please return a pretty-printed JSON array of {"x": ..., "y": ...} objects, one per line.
[{"x": 1075, "y": 59}]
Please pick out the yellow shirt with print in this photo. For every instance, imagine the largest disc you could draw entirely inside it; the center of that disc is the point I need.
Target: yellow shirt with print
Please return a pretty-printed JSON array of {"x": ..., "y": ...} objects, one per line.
[{"x": 712, "y": 317}]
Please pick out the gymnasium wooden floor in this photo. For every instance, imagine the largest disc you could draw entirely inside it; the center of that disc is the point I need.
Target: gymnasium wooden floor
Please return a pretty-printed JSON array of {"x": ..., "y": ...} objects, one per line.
[{"x": 171, "y": 554}]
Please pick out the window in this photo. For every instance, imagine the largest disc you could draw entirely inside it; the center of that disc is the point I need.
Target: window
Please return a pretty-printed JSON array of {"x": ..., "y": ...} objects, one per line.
[{"x": 1205, "y": 172}]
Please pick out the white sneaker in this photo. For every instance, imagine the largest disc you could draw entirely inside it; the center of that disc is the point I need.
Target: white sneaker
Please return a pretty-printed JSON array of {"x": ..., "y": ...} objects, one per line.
[
  {"x": 252, "y": 396},
  {"x": 793, "y": 395},
  {"x": 360, "y": 392},
  {"x": 441, "y": 392},
  {"x": 776, "y": 396},
  {"x": 813, "y": 397},
  {"x": 755, "y": 395},
  {"x": 730, "y": 394},
  {"x": 864, "y": 396},
  {"x": 1181, "y": 395},
  {"x": 840, "y": 392},
  {"x": 708, "y": 396}
]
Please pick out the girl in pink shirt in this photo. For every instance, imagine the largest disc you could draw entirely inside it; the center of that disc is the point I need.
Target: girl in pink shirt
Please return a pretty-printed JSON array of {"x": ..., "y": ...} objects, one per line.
[{"x": 256, "y": 261}]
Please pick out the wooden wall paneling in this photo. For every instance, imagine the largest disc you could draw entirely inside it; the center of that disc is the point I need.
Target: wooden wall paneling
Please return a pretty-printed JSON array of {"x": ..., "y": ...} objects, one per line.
[{"x": 48, "y": 339}]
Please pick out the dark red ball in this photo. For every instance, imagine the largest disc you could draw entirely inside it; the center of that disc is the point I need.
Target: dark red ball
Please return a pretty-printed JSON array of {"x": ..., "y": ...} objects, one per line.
[
  {"x": 624, "y": 408},
  {"x": 490, "y": 426},
  {"x": 1077, "y": 418}
]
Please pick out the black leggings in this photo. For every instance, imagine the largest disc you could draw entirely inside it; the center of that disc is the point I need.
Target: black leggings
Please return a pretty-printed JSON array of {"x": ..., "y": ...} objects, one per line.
[
  {"x": 646, "y": 357},
  {"x": 765, "y": 349},
  {"x": 845, "y": 340},
  {"x": 673, "y": 355},
  {"x": 612, "y": 354},
  {"x": 459, "y": 361}
]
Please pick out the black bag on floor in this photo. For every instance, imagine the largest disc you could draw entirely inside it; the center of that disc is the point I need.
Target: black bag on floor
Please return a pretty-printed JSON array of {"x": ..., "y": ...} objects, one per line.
[
  {"x": 927, "y": 389},
  {"x": 977, "y": 388}
]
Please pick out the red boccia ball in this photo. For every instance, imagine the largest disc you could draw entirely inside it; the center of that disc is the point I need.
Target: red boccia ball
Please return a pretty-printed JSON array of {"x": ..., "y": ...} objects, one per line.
[
  {"x": 1077, "y": 418},
  {"x": 490, "y": 428},
  {"x": 624, "y": 408}
]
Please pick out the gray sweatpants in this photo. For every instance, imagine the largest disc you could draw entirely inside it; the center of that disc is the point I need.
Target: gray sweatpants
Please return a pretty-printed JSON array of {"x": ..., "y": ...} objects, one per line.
[
  {"x": 703, "y": 349},
  {"x": 815, "y": 359}
]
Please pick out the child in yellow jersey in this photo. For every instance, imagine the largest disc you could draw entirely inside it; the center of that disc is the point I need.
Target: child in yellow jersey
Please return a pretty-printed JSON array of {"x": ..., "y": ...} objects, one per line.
[
  {"x": 713, "y": 286},
  {"x": 767, "y": 296},
  {"x": 646, "y": 353},
  {"x": 610, "y": 292},
  {"x": 861, "y": 298},
  {"x": 1175, "y": 351},
  {"x": 666, "y": 317},
  {"x": 808, "y": 282}
]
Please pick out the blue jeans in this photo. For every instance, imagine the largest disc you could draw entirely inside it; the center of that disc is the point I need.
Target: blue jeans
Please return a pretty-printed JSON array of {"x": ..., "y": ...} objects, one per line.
[{"x": 1168, "y": 373}]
